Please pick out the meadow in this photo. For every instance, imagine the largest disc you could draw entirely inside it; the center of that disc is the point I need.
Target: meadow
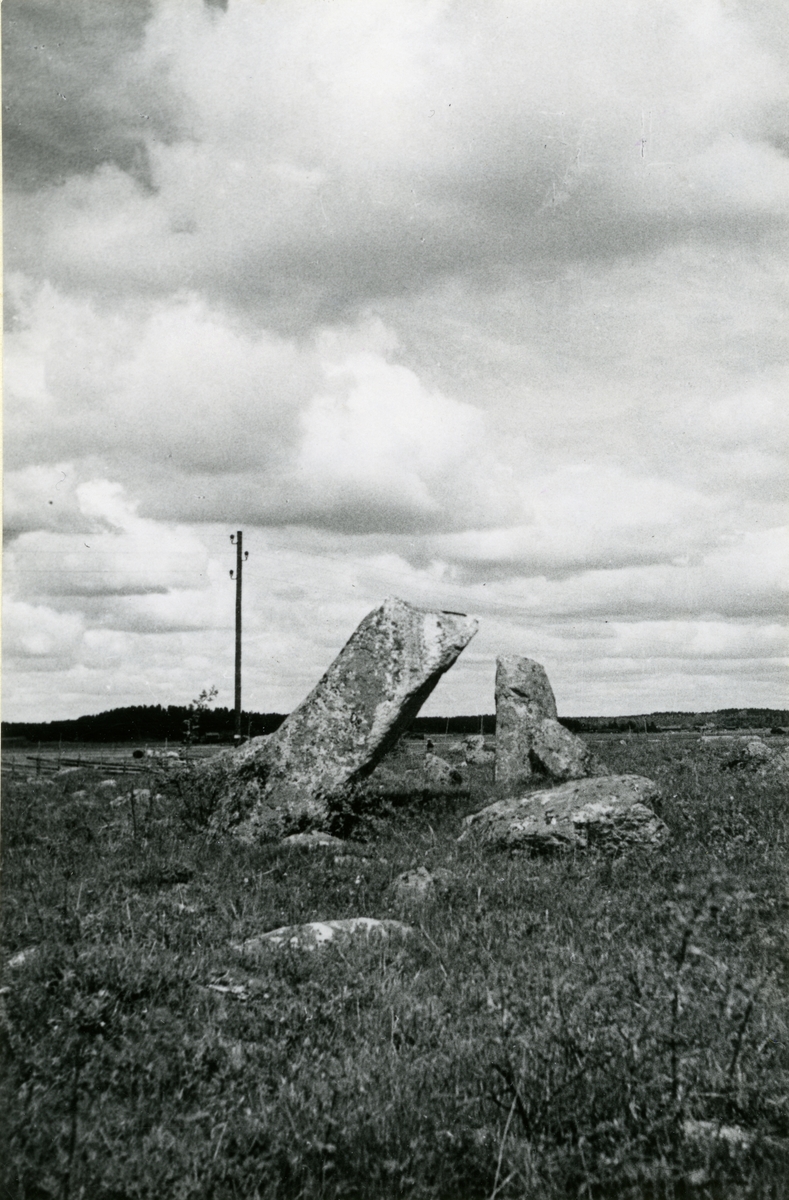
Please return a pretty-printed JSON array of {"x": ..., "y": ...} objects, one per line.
[{"x": 567, "y": 1026}]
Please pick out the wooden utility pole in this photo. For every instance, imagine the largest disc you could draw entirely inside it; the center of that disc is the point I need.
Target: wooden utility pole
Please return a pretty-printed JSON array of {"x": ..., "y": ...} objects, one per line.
[{"x": 238, "y": 540}]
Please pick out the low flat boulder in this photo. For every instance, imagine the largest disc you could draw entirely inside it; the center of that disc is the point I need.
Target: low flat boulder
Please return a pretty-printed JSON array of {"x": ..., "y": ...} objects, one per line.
[
  {"x": 314, "y": 840},
  {"x": 530, "y": 739},
  {"x": 316, "y": 934},
  {"x": 706, "y": 1133},
  {"x": 610, "y": 812},
  {"x": 285, "y": 782}
]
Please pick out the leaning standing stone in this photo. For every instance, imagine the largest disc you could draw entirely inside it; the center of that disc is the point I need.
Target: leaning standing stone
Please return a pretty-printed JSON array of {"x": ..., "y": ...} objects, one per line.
[
  {"x": 530, "y": 740},
  {"x": 368, "y": 697}
]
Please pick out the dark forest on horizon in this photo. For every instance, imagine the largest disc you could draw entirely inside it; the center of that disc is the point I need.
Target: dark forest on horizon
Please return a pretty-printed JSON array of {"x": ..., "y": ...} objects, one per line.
[{"x": 156, "y": 723}]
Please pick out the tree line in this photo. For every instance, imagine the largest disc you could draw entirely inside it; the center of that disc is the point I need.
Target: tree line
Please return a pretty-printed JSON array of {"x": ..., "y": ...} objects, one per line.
[{"x": 176, "y": 723}]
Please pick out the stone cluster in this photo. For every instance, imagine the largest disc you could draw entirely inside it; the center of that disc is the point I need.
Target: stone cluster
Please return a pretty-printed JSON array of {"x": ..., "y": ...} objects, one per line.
[{"x": 284, "y": 785}]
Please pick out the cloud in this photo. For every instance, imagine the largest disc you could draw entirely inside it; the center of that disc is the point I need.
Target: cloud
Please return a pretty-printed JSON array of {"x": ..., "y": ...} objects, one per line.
[
  {"x": 198, "y": 406},
  {"x": 118, "y": 554},
  {"x": 483, "y": 306},
  {"x": 368, "y": 153},
  {"x": 629, "y": 640},
  {"x": 589, "y": 517},
  {"x": 103, "y": 98},
  {"x": 748, "y": 578},
  {"x": 381, "y": 451},
  {"x": 35, "y": 632},
  {"x": 42, "y": 498},
  {"x": 176, "y": 384}
]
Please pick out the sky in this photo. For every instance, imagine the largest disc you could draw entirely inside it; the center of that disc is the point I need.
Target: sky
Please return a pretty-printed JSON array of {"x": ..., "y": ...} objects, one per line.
[{"x": 479, "y": 304}]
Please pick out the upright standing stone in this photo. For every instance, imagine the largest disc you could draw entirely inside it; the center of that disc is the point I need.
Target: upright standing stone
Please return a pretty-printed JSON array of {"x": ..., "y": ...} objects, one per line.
[
  {"x": 529, "y": 737},
  {"x": 337, "y": 735}
]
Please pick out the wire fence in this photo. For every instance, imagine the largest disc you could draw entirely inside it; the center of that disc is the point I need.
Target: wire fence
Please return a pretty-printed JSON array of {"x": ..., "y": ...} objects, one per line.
[{"x": 22, "y": 764}]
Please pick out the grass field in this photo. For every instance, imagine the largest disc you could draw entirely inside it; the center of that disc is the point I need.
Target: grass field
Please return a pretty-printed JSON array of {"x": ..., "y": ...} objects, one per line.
[{"x": 573, "y": 1026}]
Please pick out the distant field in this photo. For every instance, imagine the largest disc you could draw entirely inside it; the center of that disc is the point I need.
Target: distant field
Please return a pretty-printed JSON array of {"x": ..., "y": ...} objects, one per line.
[
  {"x": 575, "y": 1026},
  {"x": 19, "y": 757},
  {"x": 46, "y": 757}
]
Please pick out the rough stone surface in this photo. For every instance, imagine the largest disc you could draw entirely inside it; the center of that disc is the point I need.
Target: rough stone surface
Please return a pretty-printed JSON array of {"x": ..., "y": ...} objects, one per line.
[
  {"x": 420, "y": 884},
  {"x": 320, "y": 933},
  {"x": 475, "y": 752},
  {"x": 754, "y": 754},
  {"x": 705, "y": 1132},
  {"x": 368, "y": 697},
  {"x": 530, "y": 741},
  {"x": 756, "y": 750},
  {"x": 22, "y": 957},
  {"x": 440, "y": 774},
  {"x": 314, "y": 841},
  {"x": 610, "y": 812}
]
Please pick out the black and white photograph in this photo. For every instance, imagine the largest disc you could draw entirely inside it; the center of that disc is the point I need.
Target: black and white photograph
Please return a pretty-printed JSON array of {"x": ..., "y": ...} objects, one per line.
[{"x": 395, "y": 722}]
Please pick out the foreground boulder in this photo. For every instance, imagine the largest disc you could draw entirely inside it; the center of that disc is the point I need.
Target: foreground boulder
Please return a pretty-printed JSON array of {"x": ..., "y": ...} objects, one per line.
[
  {"x": 530, "y": 740},
  {"x": 315, "y": 934},
  {"x": 370, "y": 694},
  {"x": 610, "y": 812}
]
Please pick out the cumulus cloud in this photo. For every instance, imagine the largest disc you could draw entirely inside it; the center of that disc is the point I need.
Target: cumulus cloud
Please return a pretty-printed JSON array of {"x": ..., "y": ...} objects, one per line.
[
  {"x": 589, "y": 517},
  {"x": 118, "y": 554},
  {"x": 368, "y": 151},
  {"x": 381, "y": 450},
  {"x": 481, "y": 306},
  {"x": 103, "y": 98},
  {"x": 39, "y": 633},
  {"x": 198, "y": 405}
]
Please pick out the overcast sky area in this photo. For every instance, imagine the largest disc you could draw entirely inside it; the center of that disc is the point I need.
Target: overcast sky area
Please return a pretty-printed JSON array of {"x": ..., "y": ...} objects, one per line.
[{"x": 480, "y": 304}]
